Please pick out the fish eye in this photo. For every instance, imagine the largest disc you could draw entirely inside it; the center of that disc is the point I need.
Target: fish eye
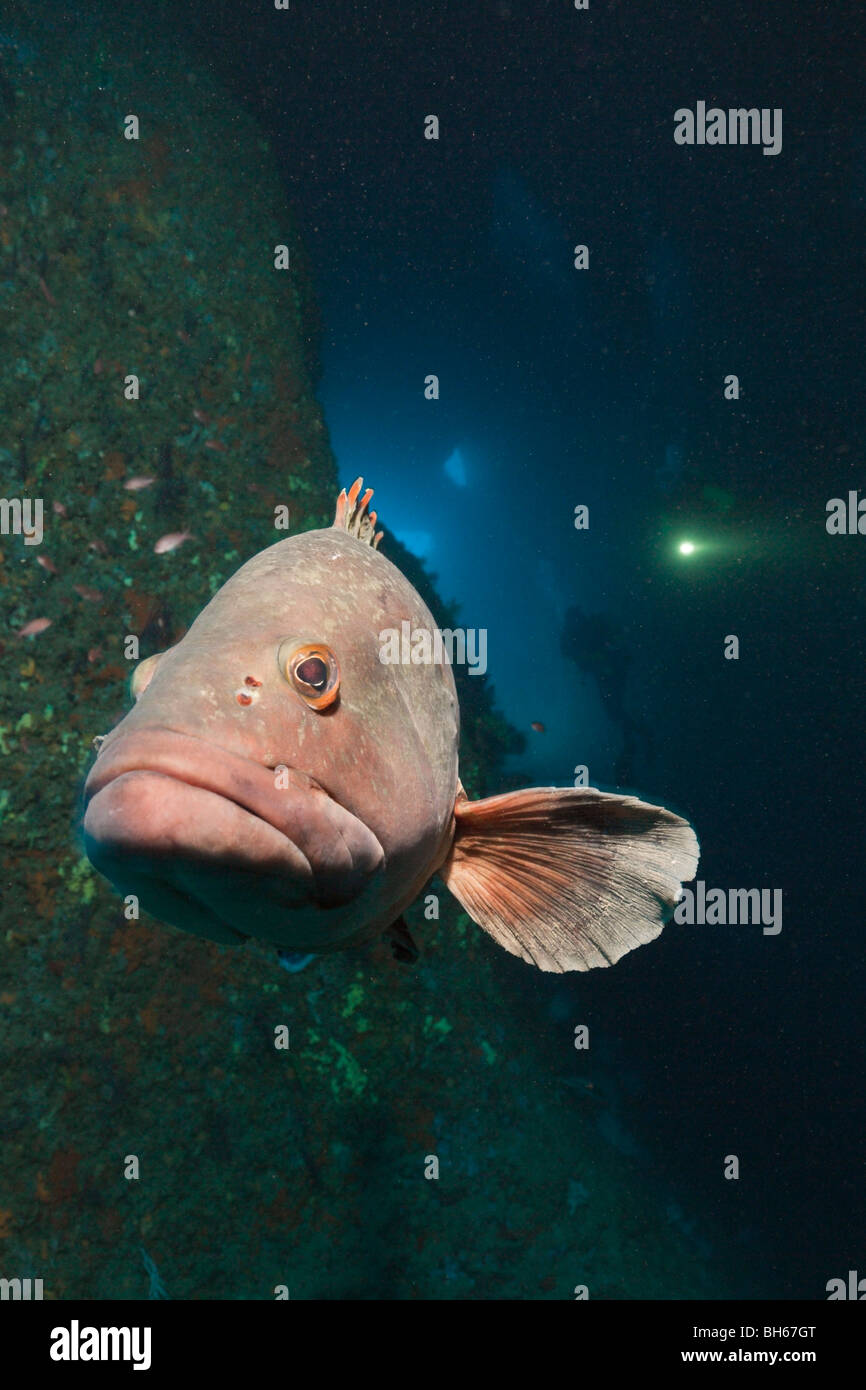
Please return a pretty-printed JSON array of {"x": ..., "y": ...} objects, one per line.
[{"x": 313, "y": 671}]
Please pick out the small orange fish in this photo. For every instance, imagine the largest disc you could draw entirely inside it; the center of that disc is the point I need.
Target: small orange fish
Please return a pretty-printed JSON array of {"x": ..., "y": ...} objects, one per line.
[
  {"x": 98, "y": 546},
  {"x": 47, "y": 564},
  {"x": 136, "y": 484},
  {"x": 277, "y": 779},
  {"x": 538, "y": 727},
  {"x": 58, "y": 509},
  {"x": 171, "y": 541},
  {"x": 92, "y": 595},
  {"x": 34, "y": 627},
  {"x": 94, "y": 654}
]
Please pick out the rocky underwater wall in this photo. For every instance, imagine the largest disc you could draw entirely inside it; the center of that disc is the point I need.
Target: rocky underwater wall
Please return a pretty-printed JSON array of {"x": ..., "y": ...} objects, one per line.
[{"x": 155, "y": 1142}]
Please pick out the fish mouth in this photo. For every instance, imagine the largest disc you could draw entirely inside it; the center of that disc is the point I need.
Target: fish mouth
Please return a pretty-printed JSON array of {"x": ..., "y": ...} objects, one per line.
[{"x": 203, "y": 834}]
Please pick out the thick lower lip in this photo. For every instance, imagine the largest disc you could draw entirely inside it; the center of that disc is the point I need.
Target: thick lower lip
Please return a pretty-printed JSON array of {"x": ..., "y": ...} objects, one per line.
[{"x": 156, "y": 795}]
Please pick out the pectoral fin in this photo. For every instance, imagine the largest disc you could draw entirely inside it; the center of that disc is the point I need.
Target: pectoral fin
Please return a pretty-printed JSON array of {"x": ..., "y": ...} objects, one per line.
[
  {"x": 569, "y": 878},
  {"x": 402, "y": 945},
  {"x": 143, "y": 674}
]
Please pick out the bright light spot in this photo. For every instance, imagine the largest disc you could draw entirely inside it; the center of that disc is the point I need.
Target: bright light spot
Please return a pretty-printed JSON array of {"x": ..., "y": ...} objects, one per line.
[{"x": 687, "y": 548}]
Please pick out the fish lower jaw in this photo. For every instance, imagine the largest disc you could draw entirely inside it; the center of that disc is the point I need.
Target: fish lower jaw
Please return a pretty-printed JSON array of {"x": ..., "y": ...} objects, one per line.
[
  {"x": 164, "y": 797},
  {"x": 212, "y": 868}
]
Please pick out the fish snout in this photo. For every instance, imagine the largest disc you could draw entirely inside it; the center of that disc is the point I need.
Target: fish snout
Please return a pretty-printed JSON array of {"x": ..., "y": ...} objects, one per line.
[{"x": 176, "y": 807}]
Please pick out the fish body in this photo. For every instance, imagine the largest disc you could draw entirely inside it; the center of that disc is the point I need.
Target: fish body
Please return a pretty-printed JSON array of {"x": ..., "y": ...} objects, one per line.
[
  {"x": 342, "y": 840},
  {"x": 277, "y": 778},
  {"x": 172, "y": 541},
  {"x": 34, "y": 627}
]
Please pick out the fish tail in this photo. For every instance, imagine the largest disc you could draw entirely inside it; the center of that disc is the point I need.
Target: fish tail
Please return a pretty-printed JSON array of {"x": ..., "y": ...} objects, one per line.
[
  {"x": 569, "y": 878},
  {"x": 352, "y": 515}
]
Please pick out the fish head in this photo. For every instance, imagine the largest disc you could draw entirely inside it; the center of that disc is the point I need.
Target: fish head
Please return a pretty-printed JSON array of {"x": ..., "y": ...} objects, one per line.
[{"x": 274, "y": 777}]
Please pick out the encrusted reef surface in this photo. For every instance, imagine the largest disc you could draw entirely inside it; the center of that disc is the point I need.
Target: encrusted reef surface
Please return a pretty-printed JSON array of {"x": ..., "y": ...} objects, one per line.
[{"x": 257, "y": 1167}]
